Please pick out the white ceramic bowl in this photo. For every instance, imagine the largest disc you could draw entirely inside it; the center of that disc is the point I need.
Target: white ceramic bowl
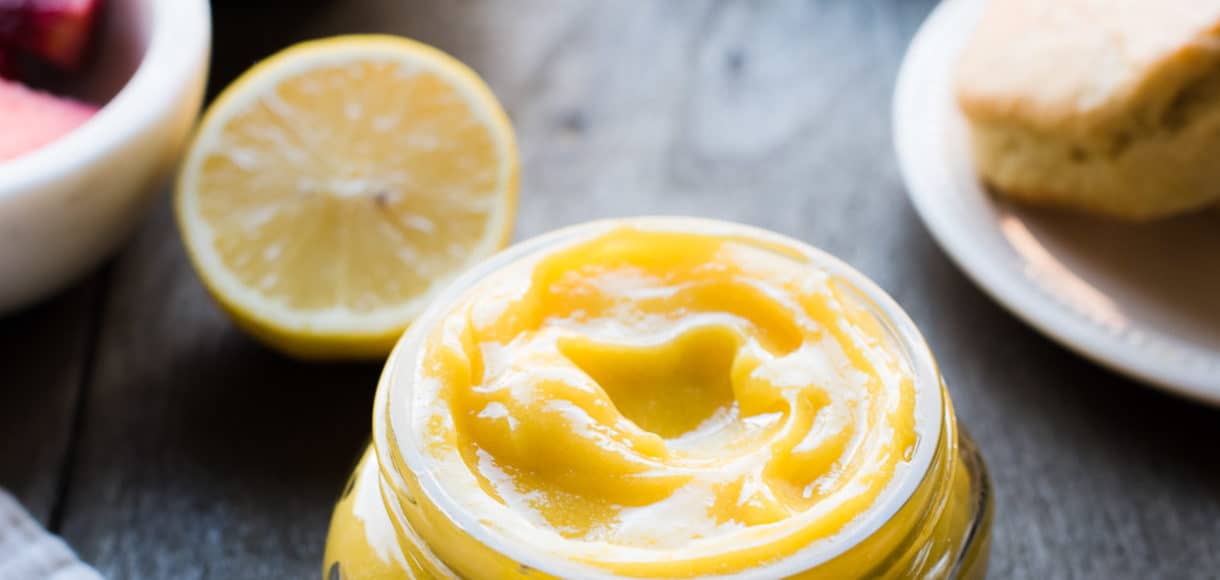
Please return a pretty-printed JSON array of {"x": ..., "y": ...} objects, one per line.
[{"x": 66, "y": 206}]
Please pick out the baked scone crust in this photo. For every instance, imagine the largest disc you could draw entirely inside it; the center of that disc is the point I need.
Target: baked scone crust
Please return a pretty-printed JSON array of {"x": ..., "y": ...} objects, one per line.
[{"x": 1108, "y": 106}]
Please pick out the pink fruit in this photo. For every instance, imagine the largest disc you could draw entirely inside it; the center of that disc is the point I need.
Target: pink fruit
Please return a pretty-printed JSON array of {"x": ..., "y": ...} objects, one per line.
[
  {"x": 30, "y": 119},
  {"x": 55, "y": 30}
]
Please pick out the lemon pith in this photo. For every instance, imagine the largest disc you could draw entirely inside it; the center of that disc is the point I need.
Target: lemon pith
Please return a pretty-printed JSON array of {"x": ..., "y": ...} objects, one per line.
[{"x": 335, "y": 186}]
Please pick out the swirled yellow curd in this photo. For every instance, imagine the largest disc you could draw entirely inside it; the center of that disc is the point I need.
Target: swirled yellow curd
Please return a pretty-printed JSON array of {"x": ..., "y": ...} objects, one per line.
[{"x": 646, "y": 400}]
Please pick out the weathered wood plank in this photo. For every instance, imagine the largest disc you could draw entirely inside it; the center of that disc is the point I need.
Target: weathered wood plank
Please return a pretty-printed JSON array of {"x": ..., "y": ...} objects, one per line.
[
  {"x": 43, "y": 355},
  {"x": 202, "y": 454},
  {"x": 1095, "y": 476},
  {"x": 205, "y": 456}
]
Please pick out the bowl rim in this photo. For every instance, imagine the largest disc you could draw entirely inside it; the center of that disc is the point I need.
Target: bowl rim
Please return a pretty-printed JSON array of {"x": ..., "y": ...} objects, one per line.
[{"x": 178, "y": 43}]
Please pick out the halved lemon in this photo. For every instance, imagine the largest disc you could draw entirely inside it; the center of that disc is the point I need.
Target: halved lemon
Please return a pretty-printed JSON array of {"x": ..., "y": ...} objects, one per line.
[{"x": 333, "y": 188}]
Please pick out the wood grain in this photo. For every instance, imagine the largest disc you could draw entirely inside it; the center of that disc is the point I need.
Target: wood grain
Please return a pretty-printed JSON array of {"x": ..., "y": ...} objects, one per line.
[
  {"x": 43, "y": 359},
  {"x": 205, "y": 456}
]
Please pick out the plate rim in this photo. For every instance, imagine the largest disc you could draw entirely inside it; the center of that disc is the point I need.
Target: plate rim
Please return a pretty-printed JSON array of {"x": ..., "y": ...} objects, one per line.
[{"x": 1013, "y": 291}]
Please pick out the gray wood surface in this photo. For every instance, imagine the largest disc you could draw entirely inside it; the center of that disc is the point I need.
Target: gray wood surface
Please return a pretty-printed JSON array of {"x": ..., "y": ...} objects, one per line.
[
  {"x": 42, "y": 368},
  {"x": 202, "y": 455}
]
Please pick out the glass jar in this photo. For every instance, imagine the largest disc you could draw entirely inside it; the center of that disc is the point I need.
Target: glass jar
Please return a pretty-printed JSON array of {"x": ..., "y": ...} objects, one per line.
[{"x": 935, "y": 523}]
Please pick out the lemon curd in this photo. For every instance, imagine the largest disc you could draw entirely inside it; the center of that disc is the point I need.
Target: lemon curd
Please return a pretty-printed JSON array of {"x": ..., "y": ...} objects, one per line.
[{"x": 663, "y": 398}]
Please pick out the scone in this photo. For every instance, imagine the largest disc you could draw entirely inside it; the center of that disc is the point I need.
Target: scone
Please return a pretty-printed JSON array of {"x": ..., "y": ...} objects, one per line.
[{"x": 1106, "y": 106}]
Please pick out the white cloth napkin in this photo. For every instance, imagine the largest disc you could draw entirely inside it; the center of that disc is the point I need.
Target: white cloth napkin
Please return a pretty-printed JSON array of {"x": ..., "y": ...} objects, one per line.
[{"x": 28, "y": 552}]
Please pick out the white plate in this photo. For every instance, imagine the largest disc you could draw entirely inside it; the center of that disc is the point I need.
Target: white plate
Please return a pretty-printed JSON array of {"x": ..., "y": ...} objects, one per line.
[{"x": 1141, "y": 299}]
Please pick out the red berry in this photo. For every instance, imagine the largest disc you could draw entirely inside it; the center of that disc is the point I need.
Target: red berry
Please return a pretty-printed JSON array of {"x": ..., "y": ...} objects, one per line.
[
  {"x": 55, "y": 30},
  {"x": 8, "y": 68}
]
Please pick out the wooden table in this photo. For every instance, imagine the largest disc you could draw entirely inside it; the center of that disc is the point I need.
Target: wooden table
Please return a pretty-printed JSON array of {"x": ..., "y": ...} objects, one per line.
[{"x": 136, "y": 421}]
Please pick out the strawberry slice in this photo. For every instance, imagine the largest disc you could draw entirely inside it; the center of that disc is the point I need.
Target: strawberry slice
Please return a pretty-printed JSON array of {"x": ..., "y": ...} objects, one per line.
[
  {"x": 30, "y": 119},
  {"x": 55, "y": 30}
]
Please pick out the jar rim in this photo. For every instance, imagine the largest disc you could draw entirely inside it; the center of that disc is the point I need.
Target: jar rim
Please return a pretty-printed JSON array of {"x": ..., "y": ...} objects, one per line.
[{"x": 391, "y": 428}]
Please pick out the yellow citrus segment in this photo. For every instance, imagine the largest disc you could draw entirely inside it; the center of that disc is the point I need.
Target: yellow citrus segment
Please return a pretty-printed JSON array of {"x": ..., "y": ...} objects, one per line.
[{"x": 334, "y": 186}]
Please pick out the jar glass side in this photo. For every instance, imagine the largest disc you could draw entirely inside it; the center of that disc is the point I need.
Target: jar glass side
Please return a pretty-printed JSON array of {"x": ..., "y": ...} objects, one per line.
[
  {"x": 363, "y": 543},
  {"x": 933, "y": 540}
]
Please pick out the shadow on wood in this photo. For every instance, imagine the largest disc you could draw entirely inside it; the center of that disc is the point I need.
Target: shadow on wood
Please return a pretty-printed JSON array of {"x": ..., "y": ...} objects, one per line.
[
  {"x": 1073, "y": 449},
  {"x": 44, "y": 355}
]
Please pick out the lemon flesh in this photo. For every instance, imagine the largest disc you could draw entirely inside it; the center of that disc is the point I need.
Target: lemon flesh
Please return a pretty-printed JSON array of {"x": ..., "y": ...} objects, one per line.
[{"x": 334, "y": 187}]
